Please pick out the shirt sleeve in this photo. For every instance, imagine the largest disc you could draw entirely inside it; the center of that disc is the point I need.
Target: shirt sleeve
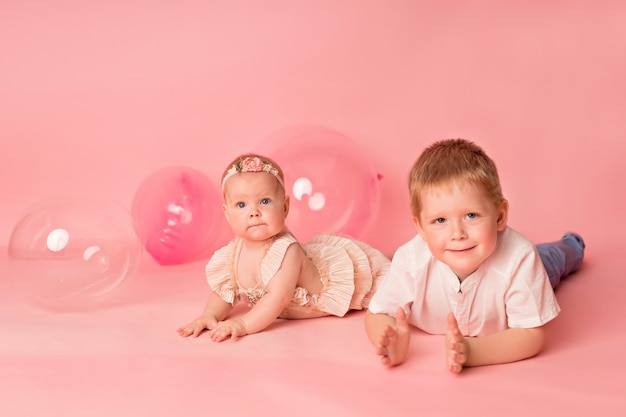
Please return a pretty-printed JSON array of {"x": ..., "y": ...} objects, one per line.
[
  {"x": 530, "y": 299},
  {"x": 396, "y": 289}
]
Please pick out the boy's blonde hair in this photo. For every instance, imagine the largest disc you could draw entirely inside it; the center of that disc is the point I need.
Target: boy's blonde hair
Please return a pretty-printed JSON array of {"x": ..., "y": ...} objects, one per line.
[{"x": 449, "y": 161}]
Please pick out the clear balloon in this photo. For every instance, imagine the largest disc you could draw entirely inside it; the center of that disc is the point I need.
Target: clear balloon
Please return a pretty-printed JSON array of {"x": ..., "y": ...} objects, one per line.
[
  {"x": 73, "y": 252},
  {"x": 177, "y": 214},
  {"x": 330, "y": 181}
]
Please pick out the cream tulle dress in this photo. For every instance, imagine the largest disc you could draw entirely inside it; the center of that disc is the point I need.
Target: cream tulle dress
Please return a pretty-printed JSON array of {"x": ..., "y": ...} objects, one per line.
[{"x": 350, "y": 271}]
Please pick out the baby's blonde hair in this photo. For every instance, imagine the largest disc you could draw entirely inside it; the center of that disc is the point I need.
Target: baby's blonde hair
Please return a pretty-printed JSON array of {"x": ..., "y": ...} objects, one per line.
[{"x": 449, "y": 161}]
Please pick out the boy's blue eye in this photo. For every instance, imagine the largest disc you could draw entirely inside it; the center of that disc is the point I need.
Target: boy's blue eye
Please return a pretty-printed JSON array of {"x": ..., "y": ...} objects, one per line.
[
  {"x": 265, "y": 201},
  {"x": 241, "y": 204}
]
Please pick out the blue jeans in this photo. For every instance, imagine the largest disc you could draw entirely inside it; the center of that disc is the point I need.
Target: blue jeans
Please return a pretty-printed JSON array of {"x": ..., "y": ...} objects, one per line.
[{"x": 562, "y": 257}]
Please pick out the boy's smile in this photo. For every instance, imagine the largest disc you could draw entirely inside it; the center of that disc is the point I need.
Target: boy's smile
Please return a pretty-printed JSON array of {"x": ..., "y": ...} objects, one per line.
[{"x": 460, "y": 223}]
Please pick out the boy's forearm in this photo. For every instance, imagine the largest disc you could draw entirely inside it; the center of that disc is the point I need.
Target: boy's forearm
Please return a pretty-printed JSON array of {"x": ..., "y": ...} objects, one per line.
[
  {"x": 508, "y": 346},
  {"x": 375, "y": 326}
]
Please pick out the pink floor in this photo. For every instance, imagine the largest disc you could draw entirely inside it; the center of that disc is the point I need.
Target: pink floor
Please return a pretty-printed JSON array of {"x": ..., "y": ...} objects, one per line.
[
  {"x": 95, "y": 96},
  {"x": 127, "y": 360}
]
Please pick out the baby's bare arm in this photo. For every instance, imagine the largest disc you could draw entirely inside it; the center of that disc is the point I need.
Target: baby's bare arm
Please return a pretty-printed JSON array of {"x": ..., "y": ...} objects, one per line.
[
  {"x": 390, "y": 336},
  {"x": 279, "y": 293}
]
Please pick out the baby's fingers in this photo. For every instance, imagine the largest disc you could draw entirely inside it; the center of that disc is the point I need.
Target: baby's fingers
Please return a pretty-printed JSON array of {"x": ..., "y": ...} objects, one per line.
[
  {"x": 220, "y": 333},
  {"x": 197, "y": 330},
  {"x": 185, "y": 331}
]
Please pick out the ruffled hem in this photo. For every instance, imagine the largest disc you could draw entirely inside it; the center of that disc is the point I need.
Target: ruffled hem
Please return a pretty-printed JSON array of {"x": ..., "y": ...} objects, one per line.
[
  {"x": 336, "y": 271},
  {"x": 379, "y": 265},
  {"x": 274, "y": 257},
  {"x": 219, "y": 272},
  {"x": 361, "y": 271},
  {"x": 350, "y": 271}
]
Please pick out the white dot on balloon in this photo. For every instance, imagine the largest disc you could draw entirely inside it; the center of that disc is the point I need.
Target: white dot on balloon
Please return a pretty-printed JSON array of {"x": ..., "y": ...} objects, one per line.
[
  {"x": 179, "y": 213},
  {"x": 89, "y": 252},
  {"x": 301, "y": 187},
  {"x": 317, "y": 201},
  {"x": 57, "y": 240},
  {"x": 97, "y": 257}
]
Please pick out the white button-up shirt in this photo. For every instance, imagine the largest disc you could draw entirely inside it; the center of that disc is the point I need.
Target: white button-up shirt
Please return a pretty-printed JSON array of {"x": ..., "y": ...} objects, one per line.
[{"x": 510, "y": 289}]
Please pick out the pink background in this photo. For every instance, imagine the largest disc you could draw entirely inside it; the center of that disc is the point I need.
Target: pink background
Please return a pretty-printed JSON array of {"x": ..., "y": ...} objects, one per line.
[{"x": 95, "y": 96}]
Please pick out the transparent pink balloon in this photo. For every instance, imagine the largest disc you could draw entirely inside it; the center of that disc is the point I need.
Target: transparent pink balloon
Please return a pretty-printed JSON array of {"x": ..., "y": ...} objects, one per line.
[
  {"x": 73, "y": 252},
  {"x": 177, "y": 214},
  {"x": 330, "y": 181}
]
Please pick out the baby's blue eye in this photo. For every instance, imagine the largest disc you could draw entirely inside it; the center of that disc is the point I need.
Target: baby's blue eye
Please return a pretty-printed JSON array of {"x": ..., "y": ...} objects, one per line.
[
  {"x": 471, "y": 215},
  {"x": 241, "y": 204},
  {"x": 440, "y": 220},
  {"x": 265, "y": 201}
]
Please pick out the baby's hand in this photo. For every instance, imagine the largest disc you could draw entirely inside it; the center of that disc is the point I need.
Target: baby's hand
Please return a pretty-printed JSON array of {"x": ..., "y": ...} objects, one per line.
[
  {"x": 394, "y": 343},
  {"x": 197, "y": 326},
  {"x": 224, "y": 329},
  {"x": 456, "y": 347}
]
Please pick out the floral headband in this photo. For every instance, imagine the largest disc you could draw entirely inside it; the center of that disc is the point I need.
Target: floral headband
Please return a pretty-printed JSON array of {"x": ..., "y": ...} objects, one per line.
[{"x": 252, "y": 164}]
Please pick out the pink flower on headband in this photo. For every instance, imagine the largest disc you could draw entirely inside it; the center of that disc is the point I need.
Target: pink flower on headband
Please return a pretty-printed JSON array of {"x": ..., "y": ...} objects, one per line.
[{"x": 252, "y": 164}]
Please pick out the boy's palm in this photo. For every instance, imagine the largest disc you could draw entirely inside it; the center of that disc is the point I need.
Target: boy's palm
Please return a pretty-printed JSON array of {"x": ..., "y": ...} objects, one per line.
[{"x": 394, "y": 344}]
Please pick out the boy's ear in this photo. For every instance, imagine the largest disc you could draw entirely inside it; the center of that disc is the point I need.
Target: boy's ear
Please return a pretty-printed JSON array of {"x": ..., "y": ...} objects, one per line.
[
  {"x": 503, "y": 215},
  {"x": 418, "y": 226}
]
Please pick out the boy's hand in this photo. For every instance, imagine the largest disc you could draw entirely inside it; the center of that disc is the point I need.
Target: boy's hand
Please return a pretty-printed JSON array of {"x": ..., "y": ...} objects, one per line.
[
  {"x": 394, "y": 343},
  {"x": 456, "y": 346}
]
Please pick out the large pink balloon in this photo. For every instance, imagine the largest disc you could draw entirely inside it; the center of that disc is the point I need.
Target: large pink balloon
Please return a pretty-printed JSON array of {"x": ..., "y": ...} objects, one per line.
[
  {"x": 330, "y": 181},
  {"x": 177, "y": 214}
]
